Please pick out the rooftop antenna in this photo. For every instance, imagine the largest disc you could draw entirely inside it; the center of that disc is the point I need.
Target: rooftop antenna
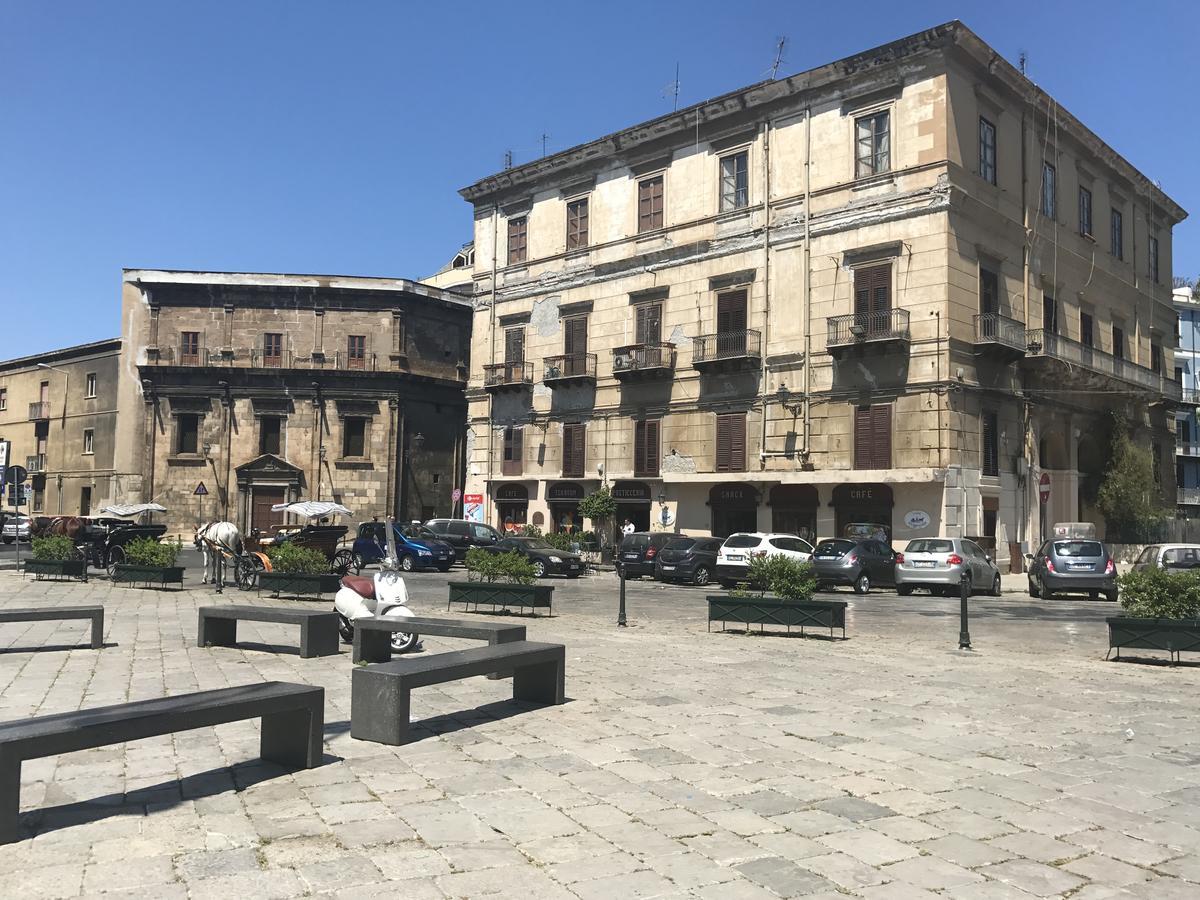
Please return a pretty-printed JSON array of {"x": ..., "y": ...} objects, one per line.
[
  {"x": 672, "y": 88},
  {"x": 1021, "y": 60},
  {"x": 508, "y": 159},
  {"x": 780, "y": 43},
  {"x": 545, "y": 137}
]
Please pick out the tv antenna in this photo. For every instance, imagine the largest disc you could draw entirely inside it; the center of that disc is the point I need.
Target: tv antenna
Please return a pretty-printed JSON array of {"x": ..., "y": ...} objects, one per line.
[
  {"x": 1021, "y": 60},
  {"x": 545, "y": 137},
  {"x": 780, "y": 43},
  {"x": 508, "y": 159},
  {"x": 672, "y": 88}
]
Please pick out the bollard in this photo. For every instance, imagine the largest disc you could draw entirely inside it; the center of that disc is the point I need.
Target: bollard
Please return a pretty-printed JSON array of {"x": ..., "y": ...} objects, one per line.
[
  {"x": 964, "y": 593},
  {"x": 621, "y": 621}
]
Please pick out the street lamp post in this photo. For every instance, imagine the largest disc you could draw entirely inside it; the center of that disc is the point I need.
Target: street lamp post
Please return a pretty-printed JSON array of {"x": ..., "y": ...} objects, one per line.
[
  {"x": 207, "y": 448},
  {"x": 964, "y": 593}
]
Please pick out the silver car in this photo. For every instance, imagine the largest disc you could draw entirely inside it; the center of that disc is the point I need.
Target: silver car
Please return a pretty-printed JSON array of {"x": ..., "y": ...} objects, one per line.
[
  {"x": 938, "y": 564},
  {"x": 1169, "y": 556},
  {"x": 16, "y": 528}
]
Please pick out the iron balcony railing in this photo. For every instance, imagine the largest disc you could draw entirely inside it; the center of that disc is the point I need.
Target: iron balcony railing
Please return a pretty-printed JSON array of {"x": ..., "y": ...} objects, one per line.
[
  {"x": 506, "y": 374},
  {"x": 1190, "y": 396},
  {"x": 261, "y": 359},
  {"x": 1187, "y": 448},
  {"x": 173, "y": 356},
  {"x": 643, "y": 357},
  {"x": 886, "y": 325},
  {"x": 726, "y": 345},
  {"x": 35, "y": 464},
  {"x": 1187, "y": 496},
  {"x": 1042, "y": 342},
  {"x": 569, "y": 365},
  {"x": 39, "y": 409},
  {"x": 993, "y": 328}
]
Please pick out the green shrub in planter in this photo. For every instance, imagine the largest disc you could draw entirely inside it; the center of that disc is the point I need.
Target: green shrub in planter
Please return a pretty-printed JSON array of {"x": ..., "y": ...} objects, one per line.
[
  {"x": 289, "y": 559},
  {"x": 152, "y": 553},
  {"x": 1155, "y": 593},
  {"x": 510, "y": 567},
  {"x": 786, "y": 578},
  {"x": 55, "y": 548}
]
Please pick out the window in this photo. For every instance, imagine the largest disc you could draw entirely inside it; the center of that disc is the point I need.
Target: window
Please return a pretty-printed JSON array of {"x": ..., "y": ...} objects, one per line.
[
  {"x": 354, "y": 436},
  {"x": 989, "y": 292},
  {"x": 1156, "y": 359},
  {"x": 356, "y": 351},
  {"x": 1118, "y": 234},
  {"x": 873, "y": 298},
  {"x": 873, "y": 145},
  {"x": 1049, "y": 191},
  {"x": 575, "y": 340},
  {"x": 1086, "y": 336},
  {"x": 1049, "y": 314},
  {"x": 89, "y": 441},
  {"x": 1118, "y": 338},
  {"x": 645, "y": 448},
  {"x": 650, "y": 203},
  {"x": 987, "y": 151},
  {"x": 1152, "y": 265},
  {"x": 189, "y": 348},
  {"x": 577, "y": 224},
  {"x": 990, "y": 442},
  {"x": 1085, "y": 212},
  {"x": 731, "y": 443},
  {"x": 85, "y": 500},
  {"x": 89, "y": 385},
  {"x": 735, "y": 181},
  {"x": 270, "y": 434},
  {"x": 648, "y": 324},
  {"x": 514, "y": 443},
  {"x": 517, "y": 239},
  {"x": 514, "y": 346},
  {"x": 873, "y": 437},
  {"x": 272, "y": 350},
  {"x": 573, "y": 450},
  {"x": 187, "y": 433},
  {"x": 3, "y": 398}
]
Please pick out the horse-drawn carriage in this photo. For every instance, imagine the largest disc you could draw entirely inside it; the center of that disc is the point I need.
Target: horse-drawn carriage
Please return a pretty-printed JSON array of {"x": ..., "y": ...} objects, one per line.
[
  {"x": 316, "y": 535},
  {"x": 102, "y": 540}
]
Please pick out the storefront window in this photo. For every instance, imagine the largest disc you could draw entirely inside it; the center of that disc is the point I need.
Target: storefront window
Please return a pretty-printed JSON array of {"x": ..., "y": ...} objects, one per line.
[
  {"x": 563, "y": 499},
  {"x": 734, "y": 509},
  {"x": 512, "y": 507},
  {"x": 794, "y": 510},
  {"x": 861, "y": 505}
]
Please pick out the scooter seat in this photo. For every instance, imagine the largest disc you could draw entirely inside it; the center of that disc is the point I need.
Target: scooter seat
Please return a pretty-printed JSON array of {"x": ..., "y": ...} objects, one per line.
[{"x": 364, "y": 587}]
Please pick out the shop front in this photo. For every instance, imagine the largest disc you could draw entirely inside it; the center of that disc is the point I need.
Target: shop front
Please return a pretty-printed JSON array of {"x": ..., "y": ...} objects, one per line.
[
  {"x": 633, "y": 503},
  {"x": 794, "y": 510},
  {"x": 734, "y": 508},
  {"x": 563, "y": 499},
  {"x": 862, "y": 505},
  {"x": 512, "y": 506}
]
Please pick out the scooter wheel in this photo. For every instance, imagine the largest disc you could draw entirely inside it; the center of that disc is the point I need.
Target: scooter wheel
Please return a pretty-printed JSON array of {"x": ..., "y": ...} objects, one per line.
[
  {"x": 345, "y": 629},
  {"x": 402, "y": 642}
]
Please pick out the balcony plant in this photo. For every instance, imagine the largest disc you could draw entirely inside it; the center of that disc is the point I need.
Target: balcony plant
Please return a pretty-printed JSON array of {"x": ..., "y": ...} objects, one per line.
[
  {"x": 55, "y": 556},
  {"x": 791, "y": 585},
  {"x": 500, "y": 580},
  {"x": 297, "y": 571},
  {"x": 149, "y": 560},
  {"x": 1162, "y": 612}
]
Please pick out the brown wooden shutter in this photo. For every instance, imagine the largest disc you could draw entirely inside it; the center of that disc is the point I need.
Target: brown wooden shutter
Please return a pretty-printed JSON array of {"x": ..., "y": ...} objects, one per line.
[
  {"x": 514, "y": 451},
  {"x": 731, "y": 443},
  {"x": 639, "y": 448},
  {"x": 723, "y": 444},
  {"x": 573, "y": 450},
  {"x": 882, "y": 436},
  {"x": 863, "y": 457},
  {"x": 575, "y": 335},
  {"x": 731, "y": 312},
  {"x": 514, "y": 345},
  {"x": 988, "y": 437},
  {"x": 652, "y": 448},
  {"x": 648, "y": 328},
  {"x": 873, "y": 289}
]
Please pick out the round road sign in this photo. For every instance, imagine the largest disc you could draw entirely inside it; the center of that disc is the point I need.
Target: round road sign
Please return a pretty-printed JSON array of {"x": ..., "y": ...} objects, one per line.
[
  {"x": 1044, "y": 487},
  {"x": 15, "y": 474}
]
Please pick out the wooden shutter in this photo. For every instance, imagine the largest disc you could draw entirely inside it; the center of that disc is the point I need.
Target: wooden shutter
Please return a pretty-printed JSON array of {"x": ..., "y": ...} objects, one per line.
[
  {"x": 991, "y": 461},
  {"x": 873, "y": 289},
  {"x": 573, "y": 450},
  {"x": 873, "y": 437},
  {"x": 650, "y": 203},
  {"x": 731, "y": 443},
  {"x": 514, "y": 345},
  {"x": 723, "y": 444},
  {"x": 575, "y": 335},
  {"x": 731, "y": 312},
  {"x": 989, "y": 293},
  {"x": 514, "y": 451},
  {"x": 652, "y": 448},
  {"x": 649, "y": 324},
  {"x": 862, "y": 437},
  {"x": 646, "y": 448}
]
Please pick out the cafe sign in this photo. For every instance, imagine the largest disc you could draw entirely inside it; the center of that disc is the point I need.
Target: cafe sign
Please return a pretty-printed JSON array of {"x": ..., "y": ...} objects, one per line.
[
  {"x": 565, "y": 491},
  {"x": 630, "y": 490}
]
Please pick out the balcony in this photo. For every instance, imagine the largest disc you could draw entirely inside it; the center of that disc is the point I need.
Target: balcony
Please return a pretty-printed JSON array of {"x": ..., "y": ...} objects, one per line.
[
  {"x": 507, "y": 376},
  {"x": 569, "y": 368},
  {"x": 999, "y": 337},
  {"x": 643, "y": 361},
  {"x": 883, "y": 329},
  {"x": 260, "y": 359},
  {"x": 35, "y": 465},
  {"x": 173, "y": 356},
  {"x": 1186, "y": 448},
  {"x": 1191, "y": 397},
  {"x": 257, "y": 358},
  {"x": 1044, "y": 344},
  {"x": 727, "y": 350},
  {"x": 1187, "y": 496},
  {"x": 39, "y": 410}
]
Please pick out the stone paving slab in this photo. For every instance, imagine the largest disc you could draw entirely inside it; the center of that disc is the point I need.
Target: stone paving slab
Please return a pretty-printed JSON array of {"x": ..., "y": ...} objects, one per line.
[{"x": 685, "y": 764}]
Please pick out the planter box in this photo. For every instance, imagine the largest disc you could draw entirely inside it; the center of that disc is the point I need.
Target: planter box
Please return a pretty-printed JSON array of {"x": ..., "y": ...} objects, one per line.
[
  {"x": 1172, "y": 635},
  {"x": 473, "y": 593},
  {"x": 127, "y": 573},
  {"x": 56, "y": 568},
  {"x": 296, "y": 585},
  {"x": 763, "y": 611}
]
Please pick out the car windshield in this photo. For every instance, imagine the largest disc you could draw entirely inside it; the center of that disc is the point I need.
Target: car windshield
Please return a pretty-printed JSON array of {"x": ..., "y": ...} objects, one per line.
[
  {"x": 634, "y": 541},
  {"x": 681, "y": 545},
  {"x": 926, "y": 546},
  {"x": 834, "y": 548},
  {"x": 420, "y": 534},
  {"x": 533, "y": 543},
  {"x": 738, "y": 541},
  {"x": 1078, "y": 548}
]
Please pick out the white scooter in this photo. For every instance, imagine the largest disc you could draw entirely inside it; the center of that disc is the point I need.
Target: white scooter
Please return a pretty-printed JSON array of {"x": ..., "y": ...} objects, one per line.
[{"x": 383, "y": 595}]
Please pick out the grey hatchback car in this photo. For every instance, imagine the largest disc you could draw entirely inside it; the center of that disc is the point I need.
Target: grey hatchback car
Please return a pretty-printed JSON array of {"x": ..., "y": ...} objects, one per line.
[
  {"x": 858, "y": 563},
  {"x": 1072, "y": 566}
]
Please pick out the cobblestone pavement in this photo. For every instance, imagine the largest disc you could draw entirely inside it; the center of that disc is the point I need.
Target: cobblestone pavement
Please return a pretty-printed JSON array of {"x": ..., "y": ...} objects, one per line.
[{"x": 685, "y": 764}]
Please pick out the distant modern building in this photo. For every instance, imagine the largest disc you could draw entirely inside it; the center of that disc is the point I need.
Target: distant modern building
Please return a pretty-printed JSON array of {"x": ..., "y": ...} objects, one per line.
[{"x": 1187, "y": 426}]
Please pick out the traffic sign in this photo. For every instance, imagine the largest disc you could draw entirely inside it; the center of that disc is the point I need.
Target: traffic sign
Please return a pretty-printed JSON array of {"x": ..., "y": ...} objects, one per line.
[
  {"x": 16, "y": 474},
  {"x": 455, "y": 495},
  {"x": 1044, "y": 487},
  {"x": 200, "y": 491}
]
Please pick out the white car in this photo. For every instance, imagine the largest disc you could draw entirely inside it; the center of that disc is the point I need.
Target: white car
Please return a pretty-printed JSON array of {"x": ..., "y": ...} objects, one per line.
[
  {"x": 733, "y": 559},
  {"x": 17, "y": 528}
]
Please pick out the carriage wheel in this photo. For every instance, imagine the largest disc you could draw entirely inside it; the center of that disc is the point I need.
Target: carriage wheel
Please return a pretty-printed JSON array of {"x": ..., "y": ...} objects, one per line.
[
  {"x": 246, "y": 571},
  {"x": 116, "y": 556},
  {"x": 343, "y": 563}
]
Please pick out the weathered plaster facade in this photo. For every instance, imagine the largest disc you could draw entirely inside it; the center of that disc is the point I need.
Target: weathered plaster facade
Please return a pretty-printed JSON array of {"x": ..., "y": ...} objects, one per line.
[{"x": 979, "y": 401}]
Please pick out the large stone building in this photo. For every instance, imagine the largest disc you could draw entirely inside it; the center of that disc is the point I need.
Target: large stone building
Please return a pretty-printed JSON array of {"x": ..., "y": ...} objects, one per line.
[
  {"x": 58, "y": 411},
  {"x": 1187, "y": 424},
  {"x": 270, "y": 388},
  {"x": 899, "y": 288}
]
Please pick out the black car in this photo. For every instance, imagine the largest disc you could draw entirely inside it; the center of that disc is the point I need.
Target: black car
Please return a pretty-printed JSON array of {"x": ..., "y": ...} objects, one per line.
[
  {"x": 462, "y": 535},
  {"x": 690, "y": 559},
  {"x": 546, "y": 559},
  {"x": 859, "y": 563},
  {"x": 636, "y": 553}
]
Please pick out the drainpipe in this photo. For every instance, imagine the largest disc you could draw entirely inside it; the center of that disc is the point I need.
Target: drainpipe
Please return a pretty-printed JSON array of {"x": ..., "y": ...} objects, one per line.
[
  {"x": 763, "y": 388},
  {"x": 487, "y": 493},
  {"x": 806, "y": 296}
]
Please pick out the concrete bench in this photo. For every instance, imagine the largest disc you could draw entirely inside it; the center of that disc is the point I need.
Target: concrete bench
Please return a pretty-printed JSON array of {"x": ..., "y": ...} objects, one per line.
[
  {"x": 379, "y": 694},
  {"x": 318, "y": 628},
  {"x": 45, "y": 613},
  {"x": 293, "y": 724},
  {"x": 373, "y": 636},
  {"x": 748, "y": 611}
]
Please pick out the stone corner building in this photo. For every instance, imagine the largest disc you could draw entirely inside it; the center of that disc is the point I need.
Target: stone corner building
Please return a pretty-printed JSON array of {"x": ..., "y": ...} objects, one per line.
[
  {"x": 898, "y": 288},
  {"x": 269, "y": 387}
]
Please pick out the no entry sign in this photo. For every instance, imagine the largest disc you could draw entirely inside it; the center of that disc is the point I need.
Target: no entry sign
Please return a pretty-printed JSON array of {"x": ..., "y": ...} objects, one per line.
[{"x": 1044, "y": 487}]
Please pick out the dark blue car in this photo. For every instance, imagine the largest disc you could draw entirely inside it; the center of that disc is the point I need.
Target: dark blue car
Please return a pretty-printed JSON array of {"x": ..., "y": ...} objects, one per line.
[{"x": 416, "y": 546}]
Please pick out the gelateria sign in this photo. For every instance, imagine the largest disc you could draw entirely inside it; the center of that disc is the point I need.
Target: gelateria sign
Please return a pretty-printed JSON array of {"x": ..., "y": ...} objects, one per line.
[{"x": 917, "y": 518}]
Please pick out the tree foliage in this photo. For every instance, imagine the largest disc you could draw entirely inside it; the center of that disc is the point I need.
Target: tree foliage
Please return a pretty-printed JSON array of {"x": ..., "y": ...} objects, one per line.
[
  {"x": 1129, "y": 493},
  {"x": 785, "y": 577},
  {"x": 1155, "y": 593},
  {"x": 600, "y": 507}
]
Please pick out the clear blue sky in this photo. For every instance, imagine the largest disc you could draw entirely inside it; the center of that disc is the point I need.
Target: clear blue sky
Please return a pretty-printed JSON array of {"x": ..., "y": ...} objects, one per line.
[{"x": 332, "y": 137}]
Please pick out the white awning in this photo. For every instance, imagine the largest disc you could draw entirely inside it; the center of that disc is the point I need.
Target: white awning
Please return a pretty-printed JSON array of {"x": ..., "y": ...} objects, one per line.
[
  {"x": 312, "y": 509},
  {"x": 132, "y": 509}
]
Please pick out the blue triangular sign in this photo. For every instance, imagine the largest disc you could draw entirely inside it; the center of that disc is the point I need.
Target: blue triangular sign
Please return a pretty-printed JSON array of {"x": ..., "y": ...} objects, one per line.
[{"x": 201, "y": 490}]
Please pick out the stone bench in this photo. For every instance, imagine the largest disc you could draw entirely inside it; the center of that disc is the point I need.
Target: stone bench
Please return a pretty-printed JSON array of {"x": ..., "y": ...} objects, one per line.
[
  {"x": 748, "y": 611},
  {"x": 379, "y": 694},
  {"x": 293, "y": 723},
  {"x": 46, "y": 613},
  {"x": 318, "y": 628},
  {"x": 373, "y": 636}
]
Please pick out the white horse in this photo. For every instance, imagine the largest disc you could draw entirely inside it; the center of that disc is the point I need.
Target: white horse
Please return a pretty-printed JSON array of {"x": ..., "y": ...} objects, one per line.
[{"x": 215, "y": 540}]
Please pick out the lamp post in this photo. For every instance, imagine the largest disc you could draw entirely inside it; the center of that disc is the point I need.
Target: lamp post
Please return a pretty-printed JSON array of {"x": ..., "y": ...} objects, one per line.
[
  {"x": 207, "y": 449},
  {"x": 62, "y": 450},
  {"x": 320, "y": 468},
  {"x": 964, "y": 593}
]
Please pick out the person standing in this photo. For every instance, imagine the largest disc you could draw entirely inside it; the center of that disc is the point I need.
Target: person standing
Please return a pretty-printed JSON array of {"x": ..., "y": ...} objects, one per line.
[{"x": 627, "y": 528}]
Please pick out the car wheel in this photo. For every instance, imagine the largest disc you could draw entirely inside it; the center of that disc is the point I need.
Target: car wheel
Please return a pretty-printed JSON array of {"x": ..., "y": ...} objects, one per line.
[
  {"x": 406, "y": 562},
  {"x": 1110, "y": 596},
  {"x": 862, "y": 584},
  {"x": 444, "y": 568},
  {"x": 996, "y": 585},
  {"x": 1044, "y": 591},
  {"x": 904, "y": 589},
  {"x": 9, "y": 540},
  {"x": 727, "y": 584},
  {"x": 539, "y": 569},
  {"x": 700, "y": 576},
  {"x": 1034, "y": 590}
]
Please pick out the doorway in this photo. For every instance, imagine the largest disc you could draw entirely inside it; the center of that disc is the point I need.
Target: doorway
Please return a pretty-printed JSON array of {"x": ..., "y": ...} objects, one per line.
[{"x": 262, "y": 517}]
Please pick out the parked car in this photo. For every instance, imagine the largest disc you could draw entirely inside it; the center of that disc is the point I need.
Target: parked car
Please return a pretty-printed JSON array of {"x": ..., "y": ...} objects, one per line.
[
  {"x": 546, "y": 559},
  {"x": 1072, "y": 566},
  {"x": 868, "y": 531},
  {"x": 416, "y": 547},
  {"x": 733, "y": 559},
  {"x": 938, "y": 564},
  {"x": 690, "y": 559},
  {"x": 637, "y": 551},
  {"x": 859, "y": 563},
  {"x": 16, "y": 528},
  {"x": 462, "y": 535},
  {"x": 1169, "y": 556}
]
